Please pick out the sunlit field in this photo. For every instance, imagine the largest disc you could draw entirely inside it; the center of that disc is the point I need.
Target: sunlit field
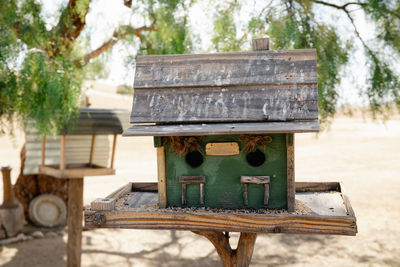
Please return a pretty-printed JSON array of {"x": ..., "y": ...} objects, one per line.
[{"x": 363, "y": 154}]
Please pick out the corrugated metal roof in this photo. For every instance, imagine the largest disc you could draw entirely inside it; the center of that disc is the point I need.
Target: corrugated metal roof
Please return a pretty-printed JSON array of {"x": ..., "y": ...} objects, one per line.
[
  {"x": 78, "y": 144},
  {"x": 98, "y": 121}
]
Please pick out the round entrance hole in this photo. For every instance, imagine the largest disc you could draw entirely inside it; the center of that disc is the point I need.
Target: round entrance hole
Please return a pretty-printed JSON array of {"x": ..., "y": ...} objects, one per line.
[
  {"x": 256, "y": 158},
  {"x": 194, "y": 159}
]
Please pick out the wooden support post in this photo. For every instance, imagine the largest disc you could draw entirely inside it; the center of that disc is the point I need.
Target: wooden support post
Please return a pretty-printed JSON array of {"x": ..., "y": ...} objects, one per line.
[
  {"x": 291, "y": 190},
  {"x": 62, "y": 153},
  {"x": 239, "y": 257},
  {"x": 43, "y": 150},
  {"x": 202, "y": 193},
  {"x": 184, "y": 194},
  {"x": 162, "y": 190},
  {"x": 92, "y": 150},
  {"x": 113, "y": 151},
  {"x": 266, "y": 194},
  {"x": 74, "y": 221},
  {"x": 245, "y": 194}
]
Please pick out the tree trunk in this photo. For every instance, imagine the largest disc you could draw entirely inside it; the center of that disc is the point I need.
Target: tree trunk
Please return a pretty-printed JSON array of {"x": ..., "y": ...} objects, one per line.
[
  {"x": 239, "y": 257},
  {"x": 27, "y": 187}
]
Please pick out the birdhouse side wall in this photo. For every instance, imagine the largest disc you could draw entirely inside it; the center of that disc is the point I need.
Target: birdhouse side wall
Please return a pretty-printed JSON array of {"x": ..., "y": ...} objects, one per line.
[{"x": 223, "y": 187}]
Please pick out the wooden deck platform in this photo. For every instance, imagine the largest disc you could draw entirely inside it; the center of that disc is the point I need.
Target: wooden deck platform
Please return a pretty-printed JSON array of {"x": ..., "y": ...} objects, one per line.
[
  {"x": 135, "y": 207},
  {"x": 75, "y": 170}
]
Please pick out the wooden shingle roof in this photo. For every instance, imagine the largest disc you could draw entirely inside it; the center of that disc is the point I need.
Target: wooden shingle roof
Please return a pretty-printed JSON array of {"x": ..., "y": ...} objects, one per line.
[{"x": 194, "y": 93}]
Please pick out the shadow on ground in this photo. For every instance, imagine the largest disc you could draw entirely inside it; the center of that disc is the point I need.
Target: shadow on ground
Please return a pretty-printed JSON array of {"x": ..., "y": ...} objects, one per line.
[
  {"x": 36, "y": 252},
  {"x": 111, "y": 247}
]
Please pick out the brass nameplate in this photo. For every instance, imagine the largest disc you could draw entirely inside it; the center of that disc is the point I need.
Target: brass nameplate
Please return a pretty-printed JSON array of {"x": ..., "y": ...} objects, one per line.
[{"x": 222, "y": 149}]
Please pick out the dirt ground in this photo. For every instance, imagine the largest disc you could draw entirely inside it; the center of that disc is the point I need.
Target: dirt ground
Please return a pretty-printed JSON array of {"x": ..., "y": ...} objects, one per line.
[{"x": 364, "y": 155}]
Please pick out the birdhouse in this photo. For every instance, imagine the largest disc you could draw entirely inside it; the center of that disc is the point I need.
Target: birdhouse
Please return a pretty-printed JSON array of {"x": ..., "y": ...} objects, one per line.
[
  {"x": 83, "y": 151},
  {"x": 224, "y": 124}
]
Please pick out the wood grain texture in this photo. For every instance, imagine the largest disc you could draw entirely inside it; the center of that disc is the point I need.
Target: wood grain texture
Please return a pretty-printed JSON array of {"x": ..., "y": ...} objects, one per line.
[
  {"x": 266, "y": 223},
  {"x": 246, "y": 194},
  {"x": 281, "y": 102},
  {"x": 290, "y": 223},
  {"x": 266, "y": 194},
  {"x": 144, "y": 187},
  {"x": 222, "y": 149},
  {"x": 202, "y": 194},
  {"x": 192, "y": 179},
  {"x": 92, "y": 144},
  {"x": 141, "y": 199},
  {"x": 291, "y": 191},
  {"x": 346, "y": 202},
  {"x": 68, "y": 173},
  {"x": 245, "y": 248},
  {"x": 162, "y": 189},
  {"x": 254, "y": 179},
  {"x": 317, "y": 186},
  {"x": 198, "y": 179},
  {"x": 184, "y": 202},
  {"x": 323, "y": 203},
  {"x": 223, "y": 128},
  {"x": 239, "y": 257},
  {"x": 123, "y": 191},
  {"x": 114, "y": 145},
  {"x": 103, "y": 204},
  {"x": 258, "y": 67},
  {"x": 74, "y": 221},
  {"x": 260, "y": 44},
  {"x": 9, "y": 199}
]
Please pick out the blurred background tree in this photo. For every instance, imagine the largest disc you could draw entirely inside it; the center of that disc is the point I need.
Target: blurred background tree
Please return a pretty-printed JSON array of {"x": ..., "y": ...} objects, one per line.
[
  {"x": 45, "y": 57},
  {"x": 299, "y": 24},
  {"x": 43, "y": 64}
]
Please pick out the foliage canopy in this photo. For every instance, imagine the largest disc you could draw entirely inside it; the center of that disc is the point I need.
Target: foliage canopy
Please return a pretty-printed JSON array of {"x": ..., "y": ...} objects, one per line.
[{"x": 43, "y": 64}]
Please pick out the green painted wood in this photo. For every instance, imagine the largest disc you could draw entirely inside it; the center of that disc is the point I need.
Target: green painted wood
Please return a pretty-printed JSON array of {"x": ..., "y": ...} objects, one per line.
[
  {"x": 223, "y": 188},
  {"x": 157, "y": 141}
]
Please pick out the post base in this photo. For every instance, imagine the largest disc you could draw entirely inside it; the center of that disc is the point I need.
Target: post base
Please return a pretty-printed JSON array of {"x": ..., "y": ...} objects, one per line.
[{"x": 239, "y": 257}]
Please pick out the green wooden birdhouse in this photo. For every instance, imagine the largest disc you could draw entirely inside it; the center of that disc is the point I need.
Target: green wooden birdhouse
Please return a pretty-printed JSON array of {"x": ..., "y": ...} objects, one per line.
[{"x": 224, "y": 124}]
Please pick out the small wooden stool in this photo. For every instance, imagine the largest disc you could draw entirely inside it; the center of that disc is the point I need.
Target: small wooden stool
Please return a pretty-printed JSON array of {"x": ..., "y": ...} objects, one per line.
[
  {"x": 184, "y": 180},
  {"x": 255, "y": 180}
]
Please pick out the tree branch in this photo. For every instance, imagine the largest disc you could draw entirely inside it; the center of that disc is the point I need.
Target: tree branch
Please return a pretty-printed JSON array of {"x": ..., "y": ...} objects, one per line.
[
  {"x": 73, "y": 20},
  {"x": 339, "y": 7},
  {"x": 356, "y": 31},
  {"x": 347, "y": 12},
  {"x": 117, "y": 36},
  {"x": 128, "y": 3}
]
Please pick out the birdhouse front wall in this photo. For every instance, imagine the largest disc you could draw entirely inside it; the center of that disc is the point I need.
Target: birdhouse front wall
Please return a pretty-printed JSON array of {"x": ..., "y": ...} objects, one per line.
[{"x": 223, "y": 187}]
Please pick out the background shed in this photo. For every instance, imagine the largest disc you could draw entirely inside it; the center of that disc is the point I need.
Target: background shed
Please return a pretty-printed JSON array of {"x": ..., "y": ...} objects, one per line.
[{"x": 78, "y": 144}]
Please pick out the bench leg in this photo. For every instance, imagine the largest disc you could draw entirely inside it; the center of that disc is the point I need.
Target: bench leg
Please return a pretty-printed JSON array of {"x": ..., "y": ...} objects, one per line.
[{"x": 239, "y": 257}]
